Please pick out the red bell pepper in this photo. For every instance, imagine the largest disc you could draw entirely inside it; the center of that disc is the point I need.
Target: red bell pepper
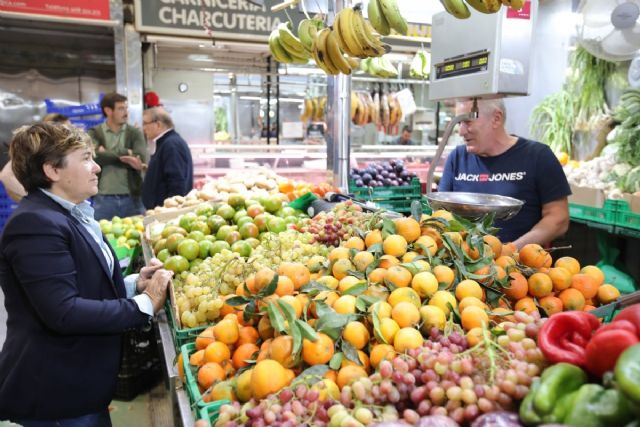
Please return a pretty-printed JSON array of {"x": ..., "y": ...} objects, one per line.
[
  {"x": 607, "y": 345},
  {"x": 564, "y": 336},
  {"x": 631, "y": 314}
]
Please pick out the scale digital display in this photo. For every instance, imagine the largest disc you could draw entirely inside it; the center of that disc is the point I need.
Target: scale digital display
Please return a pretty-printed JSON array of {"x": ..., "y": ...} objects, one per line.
[{"x": 461, "y": 66}]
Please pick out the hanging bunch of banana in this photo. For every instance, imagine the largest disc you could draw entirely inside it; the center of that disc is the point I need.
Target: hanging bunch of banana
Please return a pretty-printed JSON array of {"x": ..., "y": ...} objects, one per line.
[
  {"x": 460, "y": 10},
  {"x": 421, "y": 65},
  {"x": 308, "y": 30},
  {"x": 286, "y": 47},
  {"x": 379, "y": 67},
  {"x": 328, "y": 54},
  {"x": 355, "y": 34},
  {"x": 395, "y": 114},
  {"x": 314, "y": 109},
  {"x": 385, "y": 16}
]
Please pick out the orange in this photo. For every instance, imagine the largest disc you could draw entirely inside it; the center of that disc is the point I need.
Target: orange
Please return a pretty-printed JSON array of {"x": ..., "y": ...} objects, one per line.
[
  {"x": 533, "y": 255},
  {"x": 243, "y": 386},
  {"x": 285, "y": 286},
  {"x": 474, "y": 336},
  {"x": 425, "y": 284},
  {"x": 281, "y": 350},
  {"x": 356, "y": 334},
  {"x": 586, "y": 284},
  {"x": 405, "y": 314},
  {"x": 500, "y": 315},
  {"x": 205, "y": 338},
  {"x": 377, "y": 275},
  {"x": 408, "y": 228},
  {"x": 400, "y": 277},
  {"x": 518, "y": 287},
  {"x": 354, "y": 243},
  {"x": 339, "y": 253},
  {"x": 473, "y": 317},
  {"x": 297, "y": 272},
  {"x": 327, "y": 389},
  {"x": 572, "y": 299},
  {"x": 469, "y": 302},
  {"x": 426, "y": 244},
  {"x": 508, "y": 249},
  {"x": 388, "y": 329},
  {"x": 540, "y": 285},
  {"x": 362, "y": 260},
  {"x": 197, "y": 358},
  {"x": 505, "y": 262},
  {"x": 442, "y": 300},
  {"x": 383, "y": 307},
  {"x": 560, "y": 277},
  {"x": 588, "y": 308},
  {"x": 444, "y": 274},
  {"x": 468, "y": 288},
  {"x": 262, "y": 278},
  {"x": 387, "y": 261},
  {"x": 180, "y": 367},
  {"x": 244, "y": 352},
  {"x": 432, "y": 316},
  {"x": 209, "y": 373},
  {"x": 347, "y": 282},
  {"x": 381, "y": 352},
  {"x": 226, "y": 331},
  {"x": 571, "y": 264},
  {"x": 551, "y": 304},
  {"x": 341, "y": 267},
  {"x": 362, "y": 357},
  {"x": 373, "y": 237},
  {"x": 294, "y": 303},
  {"x": 268, "y": 376},
  {"x": 409, "y": 256},
  {"x": 346, "y": 304},
  {"x": 407, "y": 339},
  {"x": 526, "y": 304},
  {"x": 318, "y": 352},
  {"x": 394, "y": 245},
  {"x": 495, "y": 243},
  {"x": 329, "y": 281},
  {"x": 473, "y": 253},
  {"x": 595, "y": 273},
  {"x": 265, "y": 330},
  {"x": 607, "y": 294},
  {"x": 349, "y": 374},
  {"x": 404, "y": 294},
  {"x": 217, "y": 352},
  {"x": 247, "y": 334},
  {"x": 433, "y": 233},
  {"x": 441, "y": 213}
]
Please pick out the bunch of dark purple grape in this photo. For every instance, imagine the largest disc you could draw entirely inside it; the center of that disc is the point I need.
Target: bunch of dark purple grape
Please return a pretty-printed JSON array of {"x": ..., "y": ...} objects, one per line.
[{"x": 386, "y": 174}]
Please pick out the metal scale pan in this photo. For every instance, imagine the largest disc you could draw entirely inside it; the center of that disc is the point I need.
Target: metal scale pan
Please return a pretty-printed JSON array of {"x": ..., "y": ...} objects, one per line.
[{"x": 475, "y": 205}]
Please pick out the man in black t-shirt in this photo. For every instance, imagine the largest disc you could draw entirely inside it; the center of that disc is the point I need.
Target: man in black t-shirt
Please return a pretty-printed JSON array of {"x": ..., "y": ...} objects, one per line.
[{"x": 492, "y": 161}]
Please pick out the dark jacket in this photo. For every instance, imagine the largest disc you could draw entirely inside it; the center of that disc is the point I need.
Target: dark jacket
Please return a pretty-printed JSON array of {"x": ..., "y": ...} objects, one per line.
[
  {"x": 132, "y": 136},
  {"x": 170, "y": 170},
  {"x": 66, "y": 315}
]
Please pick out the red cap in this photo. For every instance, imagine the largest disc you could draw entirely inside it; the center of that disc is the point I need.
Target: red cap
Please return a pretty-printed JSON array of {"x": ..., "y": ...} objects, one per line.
[{"x": 151, "y": 99}]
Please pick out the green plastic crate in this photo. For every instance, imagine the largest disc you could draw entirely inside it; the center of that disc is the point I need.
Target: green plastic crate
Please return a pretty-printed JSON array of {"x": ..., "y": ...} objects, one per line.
[
  {"x": 605, "y": 215},
  {"x": 121, "y": 251},
  {"x": 627, "y": 219},
  {"x": 193, "y": 391},
  {"x": 211, "y": 411},
  {"x": 181, "y": 336},
  {"x": 412, "y": 191}
]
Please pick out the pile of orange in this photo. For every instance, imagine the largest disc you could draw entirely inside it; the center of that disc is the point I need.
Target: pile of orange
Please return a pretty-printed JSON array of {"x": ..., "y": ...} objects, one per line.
[
  {"x": 560, "y": 286},
  {"x": 294, "y": 189}
]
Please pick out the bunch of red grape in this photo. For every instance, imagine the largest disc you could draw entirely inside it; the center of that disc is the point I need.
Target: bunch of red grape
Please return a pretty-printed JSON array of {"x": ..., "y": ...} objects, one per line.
[{"x": 342, "y": 222}]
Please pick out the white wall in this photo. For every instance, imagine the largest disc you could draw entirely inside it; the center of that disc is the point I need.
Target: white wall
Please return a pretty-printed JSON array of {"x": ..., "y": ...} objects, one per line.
[{"x": 553, "y": 32}]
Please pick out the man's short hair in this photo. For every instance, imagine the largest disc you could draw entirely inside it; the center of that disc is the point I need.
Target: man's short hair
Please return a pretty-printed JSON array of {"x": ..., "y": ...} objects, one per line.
[
  {"x": 55, "y": 118},
  {"x": 159, "y": 114},
  {"x": 407, "y": 129},
  {"x": 110, "y": 100},
  {"x": 489, "y": 106},
  {"x": 33, "y": 146}
]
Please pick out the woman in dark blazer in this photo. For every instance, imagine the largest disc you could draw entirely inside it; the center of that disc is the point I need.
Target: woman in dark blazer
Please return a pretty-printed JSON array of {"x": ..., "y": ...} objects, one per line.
[{"x": 67, "y": 303}]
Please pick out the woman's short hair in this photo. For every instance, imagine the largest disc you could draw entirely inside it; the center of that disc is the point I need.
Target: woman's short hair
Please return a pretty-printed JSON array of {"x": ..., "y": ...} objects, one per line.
[{"x": 35, "y": 145}]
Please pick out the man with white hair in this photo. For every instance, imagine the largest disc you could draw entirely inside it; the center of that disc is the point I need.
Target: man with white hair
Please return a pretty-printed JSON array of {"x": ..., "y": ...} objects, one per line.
[{"x": 494, "y": 162}]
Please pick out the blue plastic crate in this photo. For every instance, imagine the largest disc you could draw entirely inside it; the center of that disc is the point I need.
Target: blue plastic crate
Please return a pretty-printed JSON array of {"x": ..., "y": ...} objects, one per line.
[
  {"x": 7, "y": 206},
  {"x": 73, "y": 110},
  {"x": 87, "y": 124}
]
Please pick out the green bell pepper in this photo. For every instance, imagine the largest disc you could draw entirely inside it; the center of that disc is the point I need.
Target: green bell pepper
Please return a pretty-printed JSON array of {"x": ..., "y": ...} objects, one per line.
[
  {"x": 596, "y": 406},
  {"x": 627, "y": 373},
  {"x": 556, "y": 382},
  {"x": 561, "y": 409},
  {"x": 528, "y": 414}
]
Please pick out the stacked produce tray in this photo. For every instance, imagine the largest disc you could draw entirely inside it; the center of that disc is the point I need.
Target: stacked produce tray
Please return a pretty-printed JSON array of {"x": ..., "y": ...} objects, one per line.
[
  {"x": 205, "y": 410},
  {"x": 395, "y": 198},
  {"x": 140, "y": 367},
  {"x": 615, "y": 217}
]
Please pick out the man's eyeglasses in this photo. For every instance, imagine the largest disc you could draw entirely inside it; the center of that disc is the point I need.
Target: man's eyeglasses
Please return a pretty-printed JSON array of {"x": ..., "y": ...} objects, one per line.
[{"x": 148, "y": 123}]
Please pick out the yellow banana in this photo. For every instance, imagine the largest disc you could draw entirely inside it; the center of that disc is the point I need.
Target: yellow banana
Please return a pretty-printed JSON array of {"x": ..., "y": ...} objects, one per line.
[
  {"x": 335, "y": 53},
  {"x": 479, "y": 5},
  {"x": 278, "y": 52},
  {"x": 394, "y": 18},
  {"x": 456, "y": 8},
  {"x": 290, "y": 42},
  {"x": 354, "y": 105},
  {"x": 492, "y": 5},
  {"x": 377, "y": 19},
  {"x": 348, "y": 41},
  {"x": 371, "y": 47},
  {"x": 320, "y": 52},
  {"x": 514, "y": 4}
]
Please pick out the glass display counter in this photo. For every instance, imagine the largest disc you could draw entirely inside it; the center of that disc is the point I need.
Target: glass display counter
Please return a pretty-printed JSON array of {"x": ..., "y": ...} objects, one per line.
[{"x": 305, "y": 162}]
